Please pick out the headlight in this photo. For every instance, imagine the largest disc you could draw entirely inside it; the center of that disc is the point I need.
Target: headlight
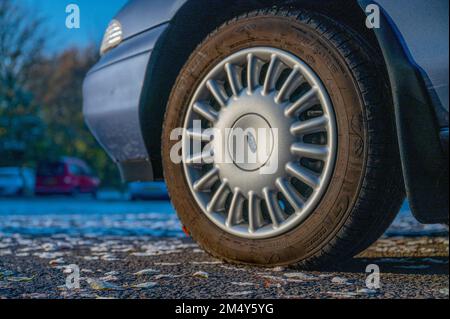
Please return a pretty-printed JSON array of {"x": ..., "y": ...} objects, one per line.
[{"x": 112, "y": 37}]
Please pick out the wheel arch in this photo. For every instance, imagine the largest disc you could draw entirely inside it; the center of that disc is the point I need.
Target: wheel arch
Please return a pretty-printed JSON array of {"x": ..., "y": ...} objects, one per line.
[
  {"x": 418, "y": 115},
  {"x": 189, "y": 26}
]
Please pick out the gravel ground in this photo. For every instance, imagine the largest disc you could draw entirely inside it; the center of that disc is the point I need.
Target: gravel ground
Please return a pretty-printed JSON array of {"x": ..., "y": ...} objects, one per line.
[
  {"x": 145, "y": 267},
  {"x": 137, "y": 250}
]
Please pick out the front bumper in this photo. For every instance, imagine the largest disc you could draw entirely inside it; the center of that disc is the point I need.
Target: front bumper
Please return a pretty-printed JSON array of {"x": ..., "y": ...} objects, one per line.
[{"x": 112, "y": 97}]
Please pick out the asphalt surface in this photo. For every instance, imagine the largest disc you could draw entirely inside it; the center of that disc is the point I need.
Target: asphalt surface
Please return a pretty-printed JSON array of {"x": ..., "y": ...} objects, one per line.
[
  {"x": 38, "y": 254},
  {"x": 139, "y": 267}
]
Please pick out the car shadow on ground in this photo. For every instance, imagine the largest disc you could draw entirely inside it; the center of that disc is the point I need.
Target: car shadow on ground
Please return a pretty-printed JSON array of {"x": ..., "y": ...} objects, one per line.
[{"x": 396, "y": 265}]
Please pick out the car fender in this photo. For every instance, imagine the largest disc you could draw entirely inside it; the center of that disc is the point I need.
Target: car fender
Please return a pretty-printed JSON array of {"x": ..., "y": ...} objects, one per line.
[
  {"x": 424, "y": 161},
  {"x": 135, "y": 18}
]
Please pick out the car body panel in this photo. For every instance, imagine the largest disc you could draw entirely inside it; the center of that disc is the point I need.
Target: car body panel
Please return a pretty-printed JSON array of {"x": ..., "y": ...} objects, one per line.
[
  {"x": 141, "y": 15},
  {"x": 419, "y": 122},
  {"x": 424, "y": 26},
  {"x": 111, "y": 94}
]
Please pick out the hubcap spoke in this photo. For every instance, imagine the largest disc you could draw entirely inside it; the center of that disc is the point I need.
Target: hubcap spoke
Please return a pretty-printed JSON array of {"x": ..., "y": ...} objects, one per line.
[
  {"x": 303, "y": 174},
  {"x": 207, "y": 180},
  {"x": 254, "y": 66},
  {"x": 318, "y": 152},
  {"x": 205, "y": 157},
  {"x": 306, "y": 101},
  {"x": 235, "y": 212},
  {"x": 273, "y": 73},
  {"x": 292, "y": 82},
  {"x": 217, "y": 92},
  {"x": 290, "y": 194},
  {"x": 255, "y": 217},
  {"x": 198, "y": 135},
  {"x": 206, "y": 111},
  {"x": 318, "y": 124},
  {"x": 233, "y": 79},
  {"x": 218, "y": 200},
  {"x": 275, "y": 212}
]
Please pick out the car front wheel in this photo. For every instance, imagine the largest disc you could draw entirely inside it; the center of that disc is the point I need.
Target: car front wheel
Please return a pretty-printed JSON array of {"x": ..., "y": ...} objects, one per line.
[{"x": 311, "y": 101}]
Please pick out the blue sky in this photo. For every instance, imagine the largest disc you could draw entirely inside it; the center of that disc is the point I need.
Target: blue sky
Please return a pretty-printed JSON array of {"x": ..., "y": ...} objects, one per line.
[{"x": 94, "y": 17}]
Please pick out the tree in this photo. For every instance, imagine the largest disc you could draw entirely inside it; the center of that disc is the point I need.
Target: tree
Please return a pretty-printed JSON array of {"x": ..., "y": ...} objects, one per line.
[
  {"x": 21, "y": 47},
  {"x": 41, "y": 98},
  {"x": 58, "y": 88}
]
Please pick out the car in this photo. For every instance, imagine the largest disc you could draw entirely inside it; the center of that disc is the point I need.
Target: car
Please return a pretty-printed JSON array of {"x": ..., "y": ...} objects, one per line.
[
  {"x": 16, "y": 181},
  {"x": 67, "y": 176},
  {"x": 147, "y": 191},
  {"x": 288, "y": 132}
]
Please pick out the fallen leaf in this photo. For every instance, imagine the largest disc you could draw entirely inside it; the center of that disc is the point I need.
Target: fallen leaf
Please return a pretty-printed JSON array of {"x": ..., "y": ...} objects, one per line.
[
  {"x": 444, "y": 291},
  {"x": 300, "y": 275},
  {"x": 90, "y": 258},
  {"x": 109, "y": 278},
  {"x": 109, "y": 257},
  {"x": 58, "y": 261},
  {"x": 163, "y": 276},
  {"x": 145, "y": 272},
  {"x": 206, "y": 262},
  {"x": 201, "y": 274},
  {"x": 48, "y": 247},
  {"x": 340, "y": 281},
  {"x": 367, "y": 291},
  {"x": 97, "y": 284},
  {"x": 342, "y": 294},
  {"x": 20, "y": 279},
  {"x": 5, "y": 252},
  {"x": 145, "y": 285},
  {"x": 49, "y": 255},
  {"x": 112, "y": 273},
  {"x": 243, "y": 283}
]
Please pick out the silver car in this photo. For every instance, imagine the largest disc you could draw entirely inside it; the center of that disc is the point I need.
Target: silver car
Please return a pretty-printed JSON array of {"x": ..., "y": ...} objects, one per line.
[{"x": 286, "y": 131}]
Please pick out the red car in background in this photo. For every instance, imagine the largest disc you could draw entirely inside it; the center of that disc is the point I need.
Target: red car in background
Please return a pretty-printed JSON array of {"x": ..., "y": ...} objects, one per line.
[{"x": 70, "y": 176}]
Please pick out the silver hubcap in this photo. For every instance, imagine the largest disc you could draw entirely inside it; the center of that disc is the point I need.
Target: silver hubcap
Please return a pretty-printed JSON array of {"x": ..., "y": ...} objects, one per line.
[{"x": 280, "y": 169}]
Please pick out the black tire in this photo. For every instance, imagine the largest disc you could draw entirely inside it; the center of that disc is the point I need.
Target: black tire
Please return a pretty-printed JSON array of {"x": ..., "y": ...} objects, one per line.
[{"x": 366, "y": 190}]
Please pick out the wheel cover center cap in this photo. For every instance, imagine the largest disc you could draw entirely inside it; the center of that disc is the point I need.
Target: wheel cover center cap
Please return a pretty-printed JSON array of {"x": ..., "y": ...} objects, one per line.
[{"x": 250, "y": 142}]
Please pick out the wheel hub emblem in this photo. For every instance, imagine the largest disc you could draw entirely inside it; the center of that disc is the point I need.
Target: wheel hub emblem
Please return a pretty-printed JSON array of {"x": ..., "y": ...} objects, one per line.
[{"x": 250, "y": 142}]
